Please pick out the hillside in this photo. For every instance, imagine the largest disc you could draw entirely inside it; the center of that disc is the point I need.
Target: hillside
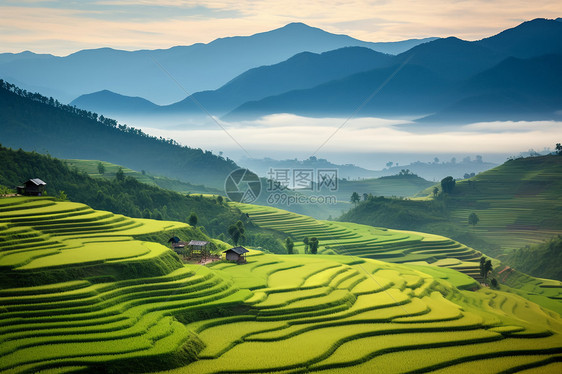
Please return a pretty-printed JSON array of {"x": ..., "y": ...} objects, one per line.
[
  {"x": 351, "y": 313},
  {"x": 33, "y": 122},
  {"x": 495, "y": 94},
  {"x": 109, "y": 103},
  {"x": 196, "y": 67},
  {"x": 517, "y": 203},
  {"x": 543, "y": 258},
  {"x": 416, "y": 90},
  {"x": 393, "y": 185},
  {"x": 91, "y": 167},
  {"x": 126, "y": 196}
]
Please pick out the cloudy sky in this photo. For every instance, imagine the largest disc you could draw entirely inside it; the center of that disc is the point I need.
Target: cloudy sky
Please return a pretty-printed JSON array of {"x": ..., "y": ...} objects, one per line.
[{"x": 63, "y": 27}]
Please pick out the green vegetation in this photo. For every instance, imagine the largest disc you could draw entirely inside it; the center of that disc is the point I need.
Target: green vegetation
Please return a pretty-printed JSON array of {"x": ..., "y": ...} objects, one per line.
[
  {"x": 131, "y": 306},
  {"x": 516, "y": 203},
  {"x": 541, "y": 260},
  {"x": 34, "y": 122},
  {"x": 107, "y": 170},
  {"x": 403, "y": 184}
]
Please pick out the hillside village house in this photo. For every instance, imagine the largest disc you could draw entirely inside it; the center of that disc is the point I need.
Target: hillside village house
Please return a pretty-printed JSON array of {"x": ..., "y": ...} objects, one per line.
[
  {"x": 33, "y": 187},
  {"x": 236, "y": 254},
  {"x": 176, "y": 244},
  {"x": 197, "y": 245}
]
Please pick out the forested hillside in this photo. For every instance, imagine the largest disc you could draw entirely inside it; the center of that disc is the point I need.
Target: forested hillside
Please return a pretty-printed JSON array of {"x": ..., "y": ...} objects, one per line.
[
  {"x": 516, "y": 204},
  {"x": 123, "y": 195},
  {"x": 34, "y": 122}
]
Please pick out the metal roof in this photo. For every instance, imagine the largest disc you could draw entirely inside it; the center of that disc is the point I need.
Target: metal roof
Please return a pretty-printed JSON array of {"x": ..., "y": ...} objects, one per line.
[
  {"x": 198, "y": 242},
  {"x": 37, "y": 182},
  {"x": 238, "y": 250}
]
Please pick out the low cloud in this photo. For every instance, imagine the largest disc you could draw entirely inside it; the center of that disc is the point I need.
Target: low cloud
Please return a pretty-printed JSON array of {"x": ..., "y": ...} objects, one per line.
[{"x": 293, "y": 136}]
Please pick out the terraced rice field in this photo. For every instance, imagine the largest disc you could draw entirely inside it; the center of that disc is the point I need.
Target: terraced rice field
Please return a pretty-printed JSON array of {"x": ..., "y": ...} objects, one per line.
[
  {"x": 40, "y": 236},
  {"x": 332, "y": 314},
  {"x": 366, "y": 241},
  {"x": 77, "y": 290},
  {"x": 277, "y": 313},
  {"x": 397, "y": 246}
]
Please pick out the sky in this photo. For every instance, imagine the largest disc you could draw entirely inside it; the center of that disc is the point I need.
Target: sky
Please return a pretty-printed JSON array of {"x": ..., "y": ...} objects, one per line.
[{"x": 63, "y": 27}]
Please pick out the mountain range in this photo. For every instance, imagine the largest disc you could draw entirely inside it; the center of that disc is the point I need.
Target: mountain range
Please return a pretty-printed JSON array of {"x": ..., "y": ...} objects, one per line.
[
  {"x": 512, "y": 75},
  {"x": 151, "y": 74}
]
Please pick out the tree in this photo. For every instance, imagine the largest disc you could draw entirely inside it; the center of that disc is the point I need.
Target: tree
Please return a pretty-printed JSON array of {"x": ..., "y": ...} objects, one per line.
[
  {"x": 62, "y": 196},
  {"x": 192, "y": 220},
  {"x": 289, "y": 245},
  {"x": 101, "y": 168},
  {"x": 355, "y": 198},
  {"x": 447, "y": 184},
  {"x": 435, "y": 191},
  {"x": 473, "y": 219},
  {"x": 157, "y": 215},
  {"x": 494, "y": 283},
  {"x": 389, "y": 164},
  {"x": 237, "y": 231},
  {"x": 313, "y": 245},
  {"x": 482, "y": 264},
  {"x": 306, "y": 243},
  {"x": 365, "y": 196},
  {"x": 559, "y": 149},
  {"x": 120, "y": 175},
  {"x": 487, "y": 268},
  {"x": 220, "y": 199}
]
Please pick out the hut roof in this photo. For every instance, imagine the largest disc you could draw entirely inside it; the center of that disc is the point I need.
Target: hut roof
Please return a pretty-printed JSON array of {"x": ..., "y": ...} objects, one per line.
[
  {"x": 174, "y": 239},
  {"x": 198, "y": 242},
  {"x": 37, "y": 182},
  {"x": 238, "y": 250}
]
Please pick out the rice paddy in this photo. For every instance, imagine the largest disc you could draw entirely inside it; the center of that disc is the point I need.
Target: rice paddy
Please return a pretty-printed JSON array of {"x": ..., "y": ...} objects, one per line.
[
  {"x": 276, "y": 313},
  {"x": 428, "y": 252}
]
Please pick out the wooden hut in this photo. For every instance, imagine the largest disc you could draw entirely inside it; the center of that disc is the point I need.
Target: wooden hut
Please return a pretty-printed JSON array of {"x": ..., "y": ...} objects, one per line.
[
  {"x": 33, "y": 187},
  {"x": 236, "y": 254},
  {"x": 198, "y": 249}
]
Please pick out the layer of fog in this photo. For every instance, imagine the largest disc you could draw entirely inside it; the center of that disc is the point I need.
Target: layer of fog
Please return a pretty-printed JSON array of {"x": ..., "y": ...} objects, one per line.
[{"x": 366, "y": 142}]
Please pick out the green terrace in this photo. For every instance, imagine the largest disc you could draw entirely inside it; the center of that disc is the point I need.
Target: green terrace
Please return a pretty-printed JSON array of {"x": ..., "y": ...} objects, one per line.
[
  {"x": 397, "y": 246},
  {"x": 111, "y": 301}
]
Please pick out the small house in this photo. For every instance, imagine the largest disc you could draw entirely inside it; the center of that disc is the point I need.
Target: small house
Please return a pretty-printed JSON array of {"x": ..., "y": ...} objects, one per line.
[
  {"x": 33, "y": 187},
  {"x": 236, "y": 254},
  {"x": 176, "y": 244},
  {"x": 199, "y": 249},
  {"x": 197, "y": 245}
]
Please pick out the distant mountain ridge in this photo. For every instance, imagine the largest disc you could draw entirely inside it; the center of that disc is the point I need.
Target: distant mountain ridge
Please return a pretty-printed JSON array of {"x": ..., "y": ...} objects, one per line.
[
  {"x": 304, "y": 70},
  {"x": 503, "y": 77},
  {"x": 437, "y": 76},
  {"x": 196, "y": 67}
]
